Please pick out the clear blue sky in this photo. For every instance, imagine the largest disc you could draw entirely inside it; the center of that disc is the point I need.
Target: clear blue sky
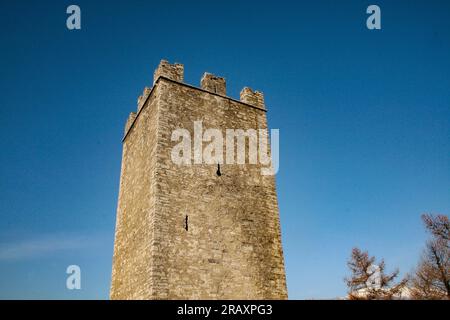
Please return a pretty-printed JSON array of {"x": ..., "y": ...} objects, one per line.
[{"x": 364, "y": 119}]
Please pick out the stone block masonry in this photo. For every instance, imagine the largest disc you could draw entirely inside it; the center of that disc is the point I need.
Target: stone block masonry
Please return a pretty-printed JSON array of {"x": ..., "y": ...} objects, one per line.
[{"x": 186, "y": 232}]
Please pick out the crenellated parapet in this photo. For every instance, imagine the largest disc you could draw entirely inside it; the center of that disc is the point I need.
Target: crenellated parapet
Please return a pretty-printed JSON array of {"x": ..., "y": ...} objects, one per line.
[
  {"x": 209, "y": 82},
  {"x": 171, "y": 71},
  {"x": 214, "y": 84},
  {"x": 254, "y": 98},
  {"x": 143, "y": 97}
]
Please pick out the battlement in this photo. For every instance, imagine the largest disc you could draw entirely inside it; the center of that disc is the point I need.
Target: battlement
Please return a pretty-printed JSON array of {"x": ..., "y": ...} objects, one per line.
[
  {"x": 130, "y": 121},
  {"x": 143, "y": 97},
  {"x": 254, "y": 98},
  {"x": 214, "y": 84},
  {"x": 171, "y": 71},
  {"x": 209, "y": 82}
]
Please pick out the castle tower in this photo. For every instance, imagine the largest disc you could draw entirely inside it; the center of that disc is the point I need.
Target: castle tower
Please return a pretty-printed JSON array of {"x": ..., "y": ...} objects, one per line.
[{"x": 198, "y": 230}]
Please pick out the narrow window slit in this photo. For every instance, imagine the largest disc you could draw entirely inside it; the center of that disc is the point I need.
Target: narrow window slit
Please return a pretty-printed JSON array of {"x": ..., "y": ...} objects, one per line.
[
  {"x": 186, "y": 223},
  {"x": 218, "y": 170}
]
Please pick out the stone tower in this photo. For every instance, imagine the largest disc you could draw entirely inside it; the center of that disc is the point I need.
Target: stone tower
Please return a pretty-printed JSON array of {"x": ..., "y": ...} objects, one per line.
[{"x": 199, "y": 230}]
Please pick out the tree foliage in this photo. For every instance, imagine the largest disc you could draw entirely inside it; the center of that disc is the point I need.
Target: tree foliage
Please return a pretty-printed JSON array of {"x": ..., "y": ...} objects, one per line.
[
  {"x": 369, "y": 280},
  {"x": 431, "y": 279}
]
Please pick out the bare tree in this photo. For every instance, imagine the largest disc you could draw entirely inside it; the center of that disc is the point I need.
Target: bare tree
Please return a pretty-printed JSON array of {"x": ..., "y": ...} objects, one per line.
[
  {"x": 438, "y": 226},
  {"x": 431, "y": 279},
  {"x": 368, "y": 280}
]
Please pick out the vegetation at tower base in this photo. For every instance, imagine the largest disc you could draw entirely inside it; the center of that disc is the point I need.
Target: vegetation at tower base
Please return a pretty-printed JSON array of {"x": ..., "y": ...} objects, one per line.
[
  {"x": 185, "y": 231},
  {"x": 429, "y": 281}
]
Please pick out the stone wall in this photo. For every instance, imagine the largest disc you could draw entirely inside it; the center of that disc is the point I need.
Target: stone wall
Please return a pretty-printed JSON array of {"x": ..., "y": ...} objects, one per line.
[{"x": 132, "y": 275}]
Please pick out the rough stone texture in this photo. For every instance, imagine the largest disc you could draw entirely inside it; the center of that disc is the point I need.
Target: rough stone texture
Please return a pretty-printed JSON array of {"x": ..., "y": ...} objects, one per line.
[
  {"x": 214, "y": 84},
  {"x": 254, "y": 98},
  {"x": 232, "y": 248},
  {"x": 171, "y": 71},
  {"x": 142, "y": 98}
]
